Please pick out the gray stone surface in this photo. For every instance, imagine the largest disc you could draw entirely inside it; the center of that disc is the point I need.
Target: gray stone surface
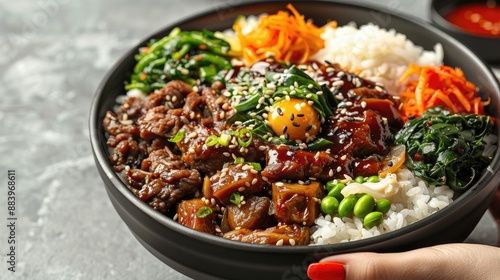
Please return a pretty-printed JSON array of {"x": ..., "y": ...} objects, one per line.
[{"x": 53, "y": 54}]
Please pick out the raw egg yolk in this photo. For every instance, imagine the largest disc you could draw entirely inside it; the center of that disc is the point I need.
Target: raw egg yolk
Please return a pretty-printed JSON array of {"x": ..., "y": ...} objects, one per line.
[{"x": 294, "y": 119}]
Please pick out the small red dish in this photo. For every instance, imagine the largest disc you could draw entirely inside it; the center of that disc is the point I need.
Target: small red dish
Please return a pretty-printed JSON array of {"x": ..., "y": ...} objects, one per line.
[{"x": 475, "y": 23}]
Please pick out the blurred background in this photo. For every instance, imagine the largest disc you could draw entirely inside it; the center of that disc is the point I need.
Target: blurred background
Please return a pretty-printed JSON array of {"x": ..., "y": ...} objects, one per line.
[{"x": 53, "y": 54}]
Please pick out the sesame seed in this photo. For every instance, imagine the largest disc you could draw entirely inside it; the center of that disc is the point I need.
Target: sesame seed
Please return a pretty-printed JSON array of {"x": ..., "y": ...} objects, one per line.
[
  {"x": 253, "y": 171},
  {"x": 280, "y": 112},
  {"x": 292, "y": 116},
  {"x": 254, "y": 181},
  {"x": 284, "y": 129},
  {"x": 310, "y": 102},
  {"x": 338, "y": 83},
  {"x": 191, "y": 150},
  {"x": 279, "y": 184},
  {"x": 363, "y": 104},
  {"x": 343, "y": 157},
  {"x": 301, "y": 182},
  {"x": 240, "y": 189},
  {"x": 310, "y": 86},
  {"x": 295, "y": 124},
  {"x": 339, "y": 169},
  {"x": 226, "y": 154},
  {"x": 292, "y": 241},
  {"x": 330, "y": 173},
  {"x": 279, "y": 242}
]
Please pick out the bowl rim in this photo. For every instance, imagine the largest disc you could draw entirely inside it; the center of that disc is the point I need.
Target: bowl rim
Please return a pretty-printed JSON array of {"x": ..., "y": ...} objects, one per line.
[{"x": 165, "y": 221}]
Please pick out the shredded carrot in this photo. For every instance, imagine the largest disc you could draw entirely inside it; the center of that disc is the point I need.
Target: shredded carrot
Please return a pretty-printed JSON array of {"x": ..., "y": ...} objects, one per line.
[
  {"x": 438, "y": 86},
  {"x": 282, "y": 36}
]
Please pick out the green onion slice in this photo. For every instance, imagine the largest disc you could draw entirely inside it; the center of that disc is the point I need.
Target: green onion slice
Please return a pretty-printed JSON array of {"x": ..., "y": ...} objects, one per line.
[
  {"x": 235, "y": 198},
  {"x": 178, "y": 137},
  {"x": 255, "y": 165},
  {"x": 239, "y": 160},
  {"x": 224, "y": 139},
  {"x": 212, "y": 140},
  {"x": 204, "y": 211},
  {"x": 245, "y": 132}
]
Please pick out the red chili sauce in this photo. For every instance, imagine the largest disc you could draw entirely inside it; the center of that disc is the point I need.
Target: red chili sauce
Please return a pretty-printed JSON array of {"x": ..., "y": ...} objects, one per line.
[{"x": 477, "y": 18}]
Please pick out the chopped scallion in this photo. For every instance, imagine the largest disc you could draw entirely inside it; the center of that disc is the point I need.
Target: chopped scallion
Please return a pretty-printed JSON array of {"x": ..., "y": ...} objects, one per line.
[
  {"x": 204, "y": 211},
  {"x": 255, "y": 165},
  {"x": 245, "y": 132},
  {"x": 178, "y": 137},
  {"x": 212, "y": 140},
  {"x": 235, "y": 198},
  {"x": 224, "y": 139}
]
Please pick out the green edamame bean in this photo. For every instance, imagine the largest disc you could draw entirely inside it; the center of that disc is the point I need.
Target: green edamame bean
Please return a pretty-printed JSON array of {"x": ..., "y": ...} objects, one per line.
[
  {"x": 359, "y": 179},
  {"x": 329, "y": 205},
  {"x": 382, "y": 205},
  {"x": 336, "y": 191},
  {"x": 346, "y": 206},
  {"x": 373, "y": 219},
  {"x": 373, "y": 179},
  {"x": 329, "y": 185},
  {"x": 364, "y": 205}
]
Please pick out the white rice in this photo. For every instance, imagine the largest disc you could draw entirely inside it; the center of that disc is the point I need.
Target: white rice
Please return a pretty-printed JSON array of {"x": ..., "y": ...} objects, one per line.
[
  {"x": 415, "y": 201},
  {"x": 375, "y": 53}
]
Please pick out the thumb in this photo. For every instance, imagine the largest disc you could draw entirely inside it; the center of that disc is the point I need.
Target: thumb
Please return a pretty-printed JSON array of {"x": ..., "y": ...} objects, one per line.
[{"x": 449, "y": 261}]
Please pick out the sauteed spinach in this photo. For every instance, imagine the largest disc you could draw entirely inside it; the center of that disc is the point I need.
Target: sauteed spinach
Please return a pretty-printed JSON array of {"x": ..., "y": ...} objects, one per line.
[{"x": 446, "y": 149}]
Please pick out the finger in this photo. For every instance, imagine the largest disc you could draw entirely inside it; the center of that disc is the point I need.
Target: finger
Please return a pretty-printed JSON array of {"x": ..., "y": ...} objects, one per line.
[{"x": 451, "y": 261}]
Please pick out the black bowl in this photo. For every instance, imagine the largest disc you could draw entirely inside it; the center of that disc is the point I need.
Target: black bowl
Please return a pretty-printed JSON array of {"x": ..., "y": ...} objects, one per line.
[
  {"x": 485, "y": 47},
  {"x": 203, "y": 256}
]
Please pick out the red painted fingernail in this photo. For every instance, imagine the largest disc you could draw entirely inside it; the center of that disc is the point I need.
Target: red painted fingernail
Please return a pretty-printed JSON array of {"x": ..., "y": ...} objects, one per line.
[{"x": 326, "y": 271}]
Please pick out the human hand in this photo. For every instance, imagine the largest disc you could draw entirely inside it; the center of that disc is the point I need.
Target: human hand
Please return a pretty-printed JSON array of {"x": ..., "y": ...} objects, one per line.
[{"x": 448, "y": 261}]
